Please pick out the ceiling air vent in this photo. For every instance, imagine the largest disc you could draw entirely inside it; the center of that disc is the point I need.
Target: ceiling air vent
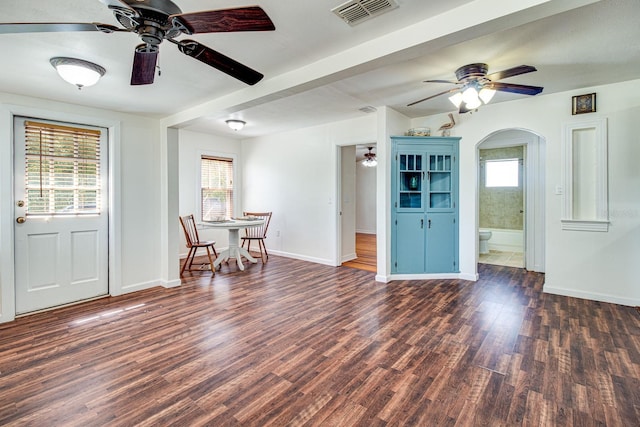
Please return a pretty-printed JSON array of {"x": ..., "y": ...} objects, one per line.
[{"x": 356, "y": 11}]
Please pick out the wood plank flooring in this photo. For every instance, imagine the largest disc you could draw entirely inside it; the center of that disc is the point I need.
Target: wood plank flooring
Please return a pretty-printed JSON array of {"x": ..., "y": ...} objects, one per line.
[
  {"x": 290, "y": 343},
  {"x": 366, "y": 252}
]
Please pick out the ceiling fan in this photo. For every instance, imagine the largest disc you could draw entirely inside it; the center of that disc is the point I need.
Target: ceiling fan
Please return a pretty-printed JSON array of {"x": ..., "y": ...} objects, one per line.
[
  {"x": 157, "y": 20},
  {"x": 475, "y": 87}
]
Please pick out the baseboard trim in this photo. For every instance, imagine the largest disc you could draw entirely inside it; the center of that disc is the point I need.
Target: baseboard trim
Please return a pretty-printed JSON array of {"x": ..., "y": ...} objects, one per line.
[
  {"x": 430, "y": 276},
  {"x": 594, "y": 296},
  {"x": 347, "y": 258},
  {"x": 303, "y": 257},
  {"x": 366, "y": 231},
  {"x": 141, "y": 286},
  {"x": 170, "y": 283}
]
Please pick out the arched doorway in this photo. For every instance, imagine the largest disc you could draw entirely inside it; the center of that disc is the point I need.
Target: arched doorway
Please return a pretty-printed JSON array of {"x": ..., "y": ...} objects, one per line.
[{"x": 531, "y": 236}]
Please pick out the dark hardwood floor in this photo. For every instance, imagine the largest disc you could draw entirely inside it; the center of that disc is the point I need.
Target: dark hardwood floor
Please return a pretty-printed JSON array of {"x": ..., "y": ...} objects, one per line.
[{"x": 295, "y": 343}]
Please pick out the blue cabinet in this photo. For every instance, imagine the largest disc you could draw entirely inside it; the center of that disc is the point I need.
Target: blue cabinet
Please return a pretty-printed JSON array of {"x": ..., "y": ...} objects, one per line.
[{"x": 424, "y": 205}]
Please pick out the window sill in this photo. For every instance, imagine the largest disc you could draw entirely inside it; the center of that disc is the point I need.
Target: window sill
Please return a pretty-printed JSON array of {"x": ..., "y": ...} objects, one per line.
[{"x": 578, "y": 225}]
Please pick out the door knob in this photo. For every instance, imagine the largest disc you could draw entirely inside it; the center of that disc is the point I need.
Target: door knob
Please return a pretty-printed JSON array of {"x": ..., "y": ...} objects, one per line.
[{"x": 20, "y": 220}]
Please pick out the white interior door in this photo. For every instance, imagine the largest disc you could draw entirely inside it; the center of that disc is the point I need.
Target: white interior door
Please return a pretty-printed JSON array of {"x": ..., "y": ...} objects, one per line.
[{"x": 61, "y": 212}]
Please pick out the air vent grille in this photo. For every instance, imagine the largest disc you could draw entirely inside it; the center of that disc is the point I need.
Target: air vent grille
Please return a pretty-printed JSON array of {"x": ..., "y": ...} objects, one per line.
[{"x": 356, "y": 11}]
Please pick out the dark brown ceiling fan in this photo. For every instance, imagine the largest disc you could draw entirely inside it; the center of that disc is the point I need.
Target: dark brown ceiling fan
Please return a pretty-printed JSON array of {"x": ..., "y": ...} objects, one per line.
[
  {"x": 475, "y": 85},
  {"x": 157, "y": 20}
]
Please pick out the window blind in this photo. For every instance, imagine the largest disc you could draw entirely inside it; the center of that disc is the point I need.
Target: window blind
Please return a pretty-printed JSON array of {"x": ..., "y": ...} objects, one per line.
[
  {"x": 62, "y": 169},
  {"x": 216, "y": 182}
]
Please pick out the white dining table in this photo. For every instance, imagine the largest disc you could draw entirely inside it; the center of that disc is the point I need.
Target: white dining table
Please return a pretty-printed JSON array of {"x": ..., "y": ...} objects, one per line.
[{"x": 234, "y": 250}]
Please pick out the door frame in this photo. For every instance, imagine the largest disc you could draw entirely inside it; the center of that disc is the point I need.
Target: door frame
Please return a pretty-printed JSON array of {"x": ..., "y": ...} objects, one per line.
[
  {"x": 534, "y": 188},
  {"x": 338, "y": 256},
  {"x": 7, "y": 211}
]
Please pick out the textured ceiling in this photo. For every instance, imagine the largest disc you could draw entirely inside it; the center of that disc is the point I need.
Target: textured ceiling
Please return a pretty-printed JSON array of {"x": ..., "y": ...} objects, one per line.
[{"x": 319, "y": 69}]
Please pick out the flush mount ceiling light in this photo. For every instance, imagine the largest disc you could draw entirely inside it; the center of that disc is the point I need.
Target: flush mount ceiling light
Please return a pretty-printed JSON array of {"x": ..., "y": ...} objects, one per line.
[
  {"x": 235, "y": 124},
  {"x": 370, "y": 159},
  {"x": 77, "y": 71}
]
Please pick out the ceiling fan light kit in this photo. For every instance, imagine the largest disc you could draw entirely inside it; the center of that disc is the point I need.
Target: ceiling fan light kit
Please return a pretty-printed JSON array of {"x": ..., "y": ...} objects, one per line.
[
  {"x": 370, "y": 159},
  {"x": 236, "y": 124},
  {"x": 476, "y": 88},
  {"x": 78, "y": 72}
]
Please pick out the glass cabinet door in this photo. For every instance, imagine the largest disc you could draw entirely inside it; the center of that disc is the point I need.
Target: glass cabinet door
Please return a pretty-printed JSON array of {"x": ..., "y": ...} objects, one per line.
[
  {"x": 439, "y": 182},
  {"x": 411, "y": 173}
]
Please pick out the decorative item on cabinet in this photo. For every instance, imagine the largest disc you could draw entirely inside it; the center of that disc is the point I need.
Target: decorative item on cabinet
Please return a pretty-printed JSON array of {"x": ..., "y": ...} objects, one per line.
[
  {"x": 422, "y": 131},
  {"x": 446, "y": 128}
]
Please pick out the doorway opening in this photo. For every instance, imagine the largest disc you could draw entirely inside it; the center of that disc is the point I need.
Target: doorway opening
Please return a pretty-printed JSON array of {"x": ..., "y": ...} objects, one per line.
[
  {"x": 510, "y": 195},
  {"x": 358, "y": 208},
  {"x": 501, "y": 206}
]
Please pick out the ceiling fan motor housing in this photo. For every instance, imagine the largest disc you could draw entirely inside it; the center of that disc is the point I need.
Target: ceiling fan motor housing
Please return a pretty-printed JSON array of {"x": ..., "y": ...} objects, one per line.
[
  {"x": 470, "y": 71},
  {"x": 166, "y": 7},
  {"x": 152, "y": 21}
]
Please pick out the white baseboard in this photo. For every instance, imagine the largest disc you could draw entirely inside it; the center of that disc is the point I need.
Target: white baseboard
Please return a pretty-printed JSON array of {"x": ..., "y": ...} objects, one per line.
[
  {"x": 594, "y": 296},
  {"x": 430, "y": 276},
  {"x": 141, "y": 286},
  {"x": 323, "y": 261},
  {"x": 349, "y": 257},
  {"x": 366, "y": 231},
  {"x": 171, "y": 283},
  {"x": 6, "y": 317}
]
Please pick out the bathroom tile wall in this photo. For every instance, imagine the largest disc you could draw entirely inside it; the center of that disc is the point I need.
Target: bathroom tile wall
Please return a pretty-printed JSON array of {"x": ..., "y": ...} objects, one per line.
[{"x": 500, "y": 206}]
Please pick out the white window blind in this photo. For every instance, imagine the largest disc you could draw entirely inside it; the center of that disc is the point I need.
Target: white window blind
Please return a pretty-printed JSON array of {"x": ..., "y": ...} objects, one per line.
[
  {"x": 62, "y": 169},
  {"x": 216, "y": 190}
]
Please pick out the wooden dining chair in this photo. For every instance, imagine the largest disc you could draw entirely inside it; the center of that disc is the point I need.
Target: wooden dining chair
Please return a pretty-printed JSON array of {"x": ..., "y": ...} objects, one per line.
[
  {"x": 258, "y": 233},
  {"x": 194, "y": 243}
]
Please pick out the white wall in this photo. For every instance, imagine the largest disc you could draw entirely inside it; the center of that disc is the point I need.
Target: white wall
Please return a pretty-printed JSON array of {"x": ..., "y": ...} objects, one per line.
[
  {"x": 366, "y": 199},
  {"x": 294, "y": 175},
  {"x": 390, "y": 123},
  {"x": 192, "y": 146},
  {"x": 594, "y": 265},
  {"x": 348, "y": 203},
  {"x": 135, "y": 219}
]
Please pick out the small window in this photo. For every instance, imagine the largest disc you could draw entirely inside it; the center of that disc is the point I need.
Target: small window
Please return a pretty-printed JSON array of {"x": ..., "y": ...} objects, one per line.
[
  {"x": 62, "y": 169},
  {"x": 502, "y": 173},
  {"x": 216, "y": 188}
]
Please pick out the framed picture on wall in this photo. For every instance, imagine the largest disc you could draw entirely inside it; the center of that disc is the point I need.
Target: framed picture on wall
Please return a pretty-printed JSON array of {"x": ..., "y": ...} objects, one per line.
[{"x": 584, "y": 104}]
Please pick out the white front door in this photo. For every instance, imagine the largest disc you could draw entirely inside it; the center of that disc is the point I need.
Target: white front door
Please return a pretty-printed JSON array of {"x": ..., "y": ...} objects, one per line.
[{"x": 61, "y": 213}]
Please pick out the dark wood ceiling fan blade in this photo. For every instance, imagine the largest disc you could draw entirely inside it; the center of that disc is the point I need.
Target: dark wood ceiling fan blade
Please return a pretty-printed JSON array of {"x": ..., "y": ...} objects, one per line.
[
  {"x": 453, "y": 82},
  {"x": 219, "y": 61},
  {"x": 432, "y": 96},
  {"x": 55, "y": 27},
  {"x": 144, "y": 66},
  {"x": 516, "y": 88},
  {"x": 515, "y": 71},
  {"x": 252, "y": 18}
]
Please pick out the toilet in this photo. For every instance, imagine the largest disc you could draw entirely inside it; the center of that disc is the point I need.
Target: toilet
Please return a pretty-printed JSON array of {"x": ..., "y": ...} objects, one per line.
[{"x": 484, "y": 236}]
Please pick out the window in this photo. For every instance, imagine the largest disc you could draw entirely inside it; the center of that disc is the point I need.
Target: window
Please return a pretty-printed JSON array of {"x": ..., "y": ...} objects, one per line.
[
  {"x": 62, "y": 169},
  {"x": 502, "y": 173},
  {"x": 216, "y": 188}
]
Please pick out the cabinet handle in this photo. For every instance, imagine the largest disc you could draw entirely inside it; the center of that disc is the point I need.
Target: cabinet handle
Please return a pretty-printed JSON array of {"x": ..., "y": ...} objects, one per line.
[
  {"x": 429, "y": 223},
  {"x": 422, "y": 223}
]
